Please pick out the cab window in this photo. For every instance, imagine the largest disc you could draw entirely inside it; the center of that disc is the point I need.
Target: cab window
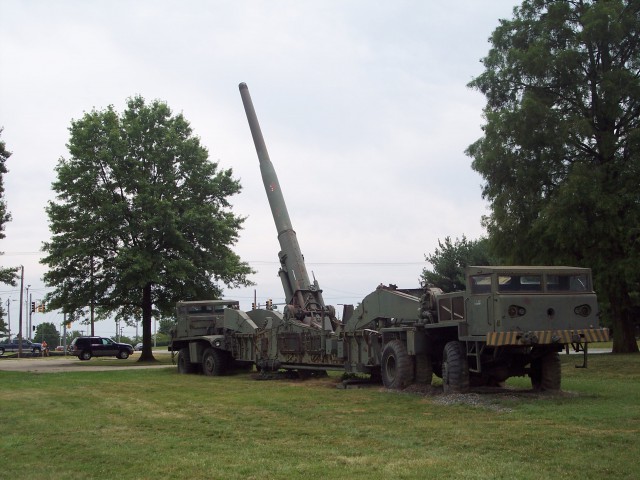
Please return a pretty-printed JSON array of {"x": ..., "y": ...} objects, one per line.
[
  {"x": 519, "y": 283},
  {"x": 568, "y": 283},
  {"x": 481, "y": 283}
]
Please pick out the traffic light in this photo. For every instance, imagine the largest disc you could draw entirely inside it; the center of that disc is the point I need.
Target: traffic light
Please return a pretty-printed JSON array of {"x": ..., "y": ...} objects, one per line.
[
  {"x": 253, "y": 305},
  {"x": 41, "y": 307},
  {"x": 33, "y": 307},
  {"x": 269, "y": 304}
]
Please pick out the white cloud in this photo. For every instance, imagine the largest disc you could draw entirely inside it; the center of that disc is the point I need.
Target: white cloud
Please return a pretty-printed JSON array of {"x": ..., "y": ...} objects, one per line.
[{"x": 363, "y": 106}]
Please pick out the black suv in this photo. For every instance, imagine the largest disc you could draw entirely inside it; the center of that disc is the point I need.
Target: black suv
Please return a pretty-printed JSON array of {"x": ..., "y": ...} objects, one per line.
[{"x": 86, "y": 347}]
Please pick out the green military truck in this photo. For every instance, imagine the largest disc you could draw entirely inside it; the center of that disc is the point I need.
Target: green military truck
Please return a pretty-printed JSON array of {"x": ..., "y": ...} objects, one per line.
[{"x": 510, "y": 321}]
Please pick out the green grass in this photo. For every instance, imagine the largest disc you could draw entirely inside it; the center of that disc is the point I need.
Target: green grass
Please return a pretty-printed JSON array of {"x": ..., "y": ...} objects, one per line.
[{"x": 151, "y": 424}]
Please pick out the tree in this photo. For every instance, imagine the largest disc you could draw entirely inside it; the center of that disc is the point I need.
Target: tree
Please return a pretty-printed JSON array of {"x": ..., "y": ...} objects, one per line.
[
  {"x": 49, "y": 332},
  {"x": 7, "y": 275},
  {"x": 165, "y": 325},
  {"x": 560, "y": 153},
  {"x": 450, "y": 260},
  {"x": 142, "y": 218},
  {"x": 4, "y": 327}
]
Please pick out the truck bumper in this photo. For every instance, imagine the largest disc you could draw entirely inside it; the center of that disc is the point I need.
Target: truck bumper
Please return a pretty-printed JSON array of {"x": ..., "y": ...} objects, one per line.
[{"x": 548, "y": 337}]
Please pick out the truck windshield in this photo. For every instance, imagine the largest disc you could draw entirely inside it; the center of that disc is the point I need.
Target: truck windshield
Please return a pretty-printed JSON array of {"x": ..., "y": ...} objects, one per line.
[
  {"x": 520, "y": 283},
  {"x": 568, "y": 283}
]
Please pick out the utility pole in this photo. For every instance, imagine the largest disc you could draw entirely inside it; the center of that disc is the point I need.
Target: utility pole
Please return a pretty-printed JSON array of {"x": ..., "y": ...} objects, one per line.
[
  {"x": 20, "y": 314},
  {"x": 64, "y": 332},
  {"x": 9, "y": 317},
  {"x": 28, "y": 313}
]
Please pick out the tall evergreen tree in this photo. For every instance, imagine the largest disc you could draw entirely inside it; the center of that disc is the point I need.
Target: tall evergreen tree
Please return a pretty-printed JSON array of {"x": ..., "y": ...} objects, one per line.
[
  {"x": 560, "y": 152},
  {"x": 142, "y": 218},
  {"x": 7, "y": 275},
  {"x": 450, "y": 259}
]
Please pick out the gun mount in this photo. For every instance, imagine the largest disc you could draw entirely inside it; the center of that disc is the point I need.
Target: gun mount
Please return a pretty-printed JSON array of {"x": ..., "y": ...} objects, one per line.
[{"x": 304, "y": 298}]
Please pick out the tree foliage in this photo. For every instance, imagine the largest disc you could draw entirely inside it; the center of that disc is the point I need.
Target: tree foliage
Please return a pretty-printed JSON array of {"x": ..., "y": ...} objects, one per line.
[
  {"x": 49, "y": 332},
  {"x": 7, "y": 275},
  {"x": 4, "y": 327},
  {"x": 560, "y": 153},
  {"x": 142, "y": 218},
  {"x": 450, "y": 260}
]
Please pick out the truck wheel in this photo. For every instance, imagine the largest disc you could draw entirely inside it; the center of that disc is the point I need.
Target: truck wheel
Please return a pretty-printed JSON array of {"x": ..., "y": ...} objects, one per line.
[
  {"x": 123, "y": 355},
  {"x": 546, "y": 372},
  {"x": 184, "y": 361},
  {"x": 396, "y": 367},
  {"x": 85, "y": 355},
  {"x": 455, "y": 369},
  {"x": 213, "y": 362},
  {"x": 1, "y": 351},
  {"x": 424, "y": 370}
]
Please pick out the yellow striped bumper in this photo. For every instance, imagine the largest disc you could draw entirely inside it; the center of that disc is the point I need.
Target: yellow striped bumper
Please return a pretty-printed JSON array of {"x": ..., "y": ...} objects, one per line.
[{"x": 547, "y": 337}]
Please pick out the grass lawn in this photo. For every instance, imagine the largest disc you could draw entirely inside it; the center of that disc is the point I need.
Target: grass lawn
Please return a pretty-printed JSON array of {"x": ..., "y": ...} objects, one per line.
[{"x": 156, "y": 424}]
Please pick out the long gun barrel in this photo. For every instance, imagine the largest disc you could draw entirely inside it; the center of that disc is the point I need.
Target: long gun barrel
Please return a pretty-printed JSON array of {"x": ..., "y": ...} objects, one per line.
[{"x": 304, "y": 298}]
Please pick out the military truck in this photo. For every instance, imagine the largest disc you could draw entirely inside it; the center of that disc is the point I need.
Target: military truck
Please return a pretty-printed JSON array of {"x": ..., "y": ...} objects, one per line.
[{"x": 510, "y": 321}]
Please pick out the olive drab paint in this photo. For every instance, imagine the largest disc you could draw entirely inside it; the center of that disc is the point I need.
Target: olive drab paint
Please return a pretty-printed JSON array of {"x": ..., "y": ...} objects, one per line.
[{"x": 509, "y": 321}]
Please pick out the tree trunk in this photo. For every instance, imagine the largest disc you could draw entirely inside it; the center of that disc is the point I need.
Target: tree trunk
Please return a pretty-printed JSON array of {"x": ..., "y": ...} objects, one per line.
[
  {"x": 624, "y": 339},
  {"x": 146, "y": 355}
]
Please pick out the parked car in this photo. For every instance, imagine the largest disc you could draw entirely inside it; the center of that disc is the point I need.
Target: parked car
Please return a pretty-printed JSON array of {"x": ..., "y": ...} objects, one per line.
[
  {"x": 138, "y": 347},
  {"x": 86, "y": 347},
  {"x": 14, "y": 346}
]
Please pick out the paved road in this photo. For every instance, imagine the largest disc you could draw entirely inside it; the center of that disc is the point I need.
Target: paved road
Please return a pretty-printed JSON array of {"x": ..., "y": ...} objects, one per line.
[
  {"x": 67, "y": 364},
  {"x": 72, "y": 364}
]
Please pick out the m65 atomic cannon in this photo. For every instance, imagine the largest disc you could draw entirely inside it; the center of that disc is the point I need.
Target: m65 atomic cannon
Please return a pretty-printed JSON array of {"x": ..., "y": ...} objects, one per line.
[
  {"x": 509, "y": 321},
  {"x": 304, "y": 299}
]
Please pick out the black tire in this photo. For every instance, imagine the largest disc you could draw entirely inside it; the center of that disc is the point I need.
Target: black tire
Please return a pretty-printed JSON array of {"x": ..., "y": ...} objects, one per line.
[
  {"x": 396, "y": 367},
  {"x": 36, "y": 350},
  {"x": 1, "y": 351},
  {"x": 123, "y": 354},
  {"x": 546, "y": 372},
  {"x": 184, "y": 361},
  {"x": 85, "y": 355},
  {"x": 455, "y": 369},
  {"x": 213, "y": 362},
  {"x": 423, "y": 369}
]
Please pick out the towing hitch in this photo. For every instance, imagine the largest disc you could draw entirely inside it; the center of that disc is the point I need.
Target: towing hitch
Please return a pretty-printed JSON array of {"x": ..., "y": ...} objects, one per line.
[{"x": 580, "y": 347}]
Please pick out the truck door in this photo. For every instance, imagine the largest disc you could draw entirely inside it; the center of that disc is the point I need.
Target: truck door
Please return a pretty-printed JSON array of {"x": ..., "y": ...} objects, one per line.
[{"x": 480, "y": 305}]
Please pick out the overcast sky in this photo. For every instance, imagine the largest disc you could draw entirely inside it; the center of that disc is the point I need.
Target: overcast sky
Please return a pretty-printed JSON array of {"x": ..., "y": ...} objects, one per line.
[{"x": 363, "y": 105}]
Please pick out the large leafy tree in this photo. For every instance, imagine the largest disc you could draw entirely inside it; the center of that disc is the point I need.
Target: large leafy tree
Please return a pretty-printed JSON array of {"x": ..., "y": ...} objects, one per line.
[
  {"x": 48, "y": 332},
  {"x": 142, "y": 218},
  {"x": 450, "y": 259},
  {"x": 7, "y": 275},
  {"x": 4, "y": 327},
  {"x": 561, "y": 147}
]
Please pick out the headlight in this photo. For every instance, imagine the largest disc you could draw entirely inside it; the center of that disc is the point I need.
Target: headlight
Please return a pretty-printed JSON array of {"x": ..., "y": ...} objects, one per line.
[
  {"x": 583, "y": 310},
  {"x": 516, "y": 311}
]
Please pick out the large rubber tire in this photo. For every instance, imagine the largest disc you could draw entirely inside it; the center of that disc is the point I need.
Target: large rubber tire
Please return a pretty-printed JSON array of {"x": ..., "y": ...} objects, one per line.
[
  {"x": 396, "y": 367},
  {"x": 123, "y": 354},
  {"x": 214, "y": 362},
  {"x": 184, "y": 362},
  {"x": 423, "y": 369},
  {"x": 455, "y": 368},
  {"x": 546, "y": 372},
  {"x": 85, "y": 355}
]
